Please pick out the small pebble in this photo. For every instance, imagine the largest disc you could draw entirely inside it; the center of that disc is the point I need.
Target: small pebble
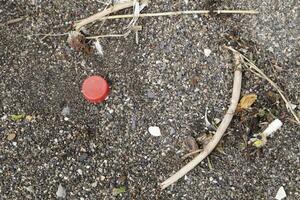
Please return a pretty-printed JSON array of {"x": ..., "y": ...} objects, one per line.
[
  {"x": 154, "y": 131},
  {"x": 66, "y": 111},
  {"x": 11, "y": 136},
  {"x": 207, "y": 52},
  {"x": 61, "y": 192},
  {"x": 79, "y": 171}
]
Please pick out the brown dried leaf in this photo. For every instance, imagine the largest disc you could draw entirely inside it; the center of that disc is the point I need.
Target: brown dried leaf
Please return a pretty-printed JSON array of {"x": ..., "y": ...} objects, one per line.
[
  {"x": 78, "y": 42},
  {"x": 247, "y": 101},
  {"x": 191, "y": 144}
]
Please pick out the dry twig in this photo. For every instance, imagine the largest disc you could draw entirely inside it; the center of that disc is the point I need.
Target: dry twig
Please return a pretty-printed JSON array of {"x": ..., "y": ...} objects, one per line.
[
  {"x": 220, "y": 131},
  {"x": 254, "y": 69},
  {"x": 187, "y": 12},
  {"x": 12, "y": 21}
]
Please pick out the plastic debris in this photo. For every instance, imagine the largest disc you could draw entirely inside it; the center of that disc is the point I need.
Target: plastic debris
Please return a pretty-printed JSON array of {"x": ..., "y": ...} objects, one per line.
[
  {"x": 259, "y": 140},
  {"x": 273, "y": 127}
]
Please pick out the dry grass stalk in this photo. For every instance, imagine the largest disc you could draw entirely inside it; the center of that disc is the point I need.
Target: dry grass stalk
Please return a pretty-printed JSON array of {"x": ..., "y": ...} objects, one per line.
[
  {"x": 103, "y": 13},
  {"x": 220, "y": 131},
  {"x": 188, "y": 12},
  {"x": 254, "y": 69}
]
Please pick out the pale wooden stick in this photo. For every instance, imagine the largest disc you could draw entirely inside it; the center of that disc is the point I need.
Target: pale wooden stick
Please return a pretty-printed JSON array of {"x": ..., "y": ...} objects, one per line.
[
  {"x": 219, "y": 133},
  {"x": 100, "y": 15}
]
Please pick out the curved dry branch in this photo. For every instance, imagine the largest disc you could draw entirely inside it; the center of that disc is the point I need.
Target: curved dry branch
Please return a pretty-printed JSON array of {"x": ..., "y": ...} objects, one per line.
[{"x": 219, "y": 133}]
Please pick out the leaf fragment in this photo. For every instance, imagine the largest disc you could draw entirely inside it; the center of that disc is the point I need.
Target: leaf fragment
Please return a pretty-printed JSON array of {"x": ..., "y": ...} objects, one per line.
[
  {"x": 119, "y": 190},
  {"x": 247, "y": 101},
  {"x": 17, "y": 117}
]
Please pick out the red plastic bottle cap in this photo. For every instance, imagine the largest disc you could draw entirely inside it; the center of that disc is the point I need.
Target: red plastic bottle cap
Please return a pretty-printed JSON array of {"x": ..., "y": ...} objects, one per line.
[{"x": 95, "y": 89}]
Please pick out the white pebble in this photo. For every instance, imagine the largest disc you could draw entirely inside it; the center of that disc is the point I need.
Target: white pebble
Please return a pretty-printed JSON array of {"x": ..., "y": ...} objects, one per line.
[
  {"x": 207, "y": 52},
  {"x": 154, "y": 131},
  {"x": 61, "y": 192},
  {"x": 280, "y": 194}
]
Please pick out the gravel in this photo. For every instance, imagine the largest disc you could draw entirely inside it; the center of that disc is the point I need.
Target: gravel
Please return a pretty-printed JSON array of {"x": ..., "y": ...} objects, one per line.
[{"x": 166, "y": 80}]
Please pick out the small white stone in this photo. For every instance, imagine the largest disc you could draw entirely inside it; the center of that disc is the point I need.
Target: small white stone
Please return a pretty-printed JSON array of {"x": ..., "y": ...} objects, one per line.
[
  {"x": 61, "y": 192},
  {"x": 207, "y": 52},
  {"x": 280, "y": 194},
  {"x": 154, "y": 131},
  {"x": 79, "y": 171},
  {"x": 4, "y": 117},
  {"x": 94, "y": 184}
]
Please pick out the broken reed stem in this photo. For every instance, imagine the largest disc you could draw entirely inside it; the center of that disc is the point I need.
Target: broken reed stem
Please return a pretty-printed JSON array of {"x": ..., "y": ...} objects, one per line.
[
  {"x": 103, "y": 13},
  {"x": 219, "y": 133},
  {"x": 191, "y": 154},
  {"x": 255, "y": 70},
  {"x": 188, "y": 12}
]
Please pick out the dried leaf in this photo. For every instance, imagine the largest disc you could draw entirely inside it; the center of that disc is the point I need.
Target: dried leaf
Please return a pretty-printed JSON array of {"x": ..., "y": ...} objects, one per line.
[
  {"x": 191, "y": 144},
  {"x": 17, "y": 117},
  {"x": 247, "y": 101},
  {"x": 119, "y": 190}
]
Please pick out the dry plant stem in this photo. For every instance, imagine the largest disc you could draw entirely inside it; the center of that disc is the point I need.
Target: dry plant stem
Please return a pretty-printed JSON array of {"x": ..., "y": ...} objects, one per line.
[
  {"x": 217, "y": 136},
  {"x": 188, "y": 12},
  {"x": 254, "y": 69},
  {"x": 103, "y": 13},
  {"x": 191, "y": 154}
]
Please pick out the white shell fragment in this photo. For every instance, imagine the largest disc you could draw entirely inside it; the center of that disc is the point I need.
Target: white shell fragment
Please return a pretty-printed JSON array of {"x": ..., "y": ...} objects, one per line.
[
  {"x": 273, "y": 127},
  {"x": 61, "y": 192},
  {"x": 99, "y": 48},
  {"x": 207, "y": 52},
  {"x": 154, "y": 131},
  {"x": 280, "y": 194}
]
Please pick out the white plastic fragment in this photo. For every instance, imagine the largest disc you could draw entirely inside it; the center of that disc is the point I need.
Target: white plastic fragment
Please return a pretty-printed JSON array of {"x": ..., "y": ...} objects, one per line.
[
  {"x": 98, "y": 47},
  {"x": 207, "y": 52},
  {"x": 154, "y": 131},
  {"x": 61, "y": 192},
  {"x": 280, "y": 194},
  {"x": 273, "y": 127}
]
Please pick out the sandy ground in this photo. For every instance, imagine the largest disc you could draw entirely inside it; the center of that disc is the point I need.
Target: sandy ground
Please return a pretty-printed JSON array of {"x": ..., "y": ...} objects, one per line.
[{"x": 165, "y": 80}]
